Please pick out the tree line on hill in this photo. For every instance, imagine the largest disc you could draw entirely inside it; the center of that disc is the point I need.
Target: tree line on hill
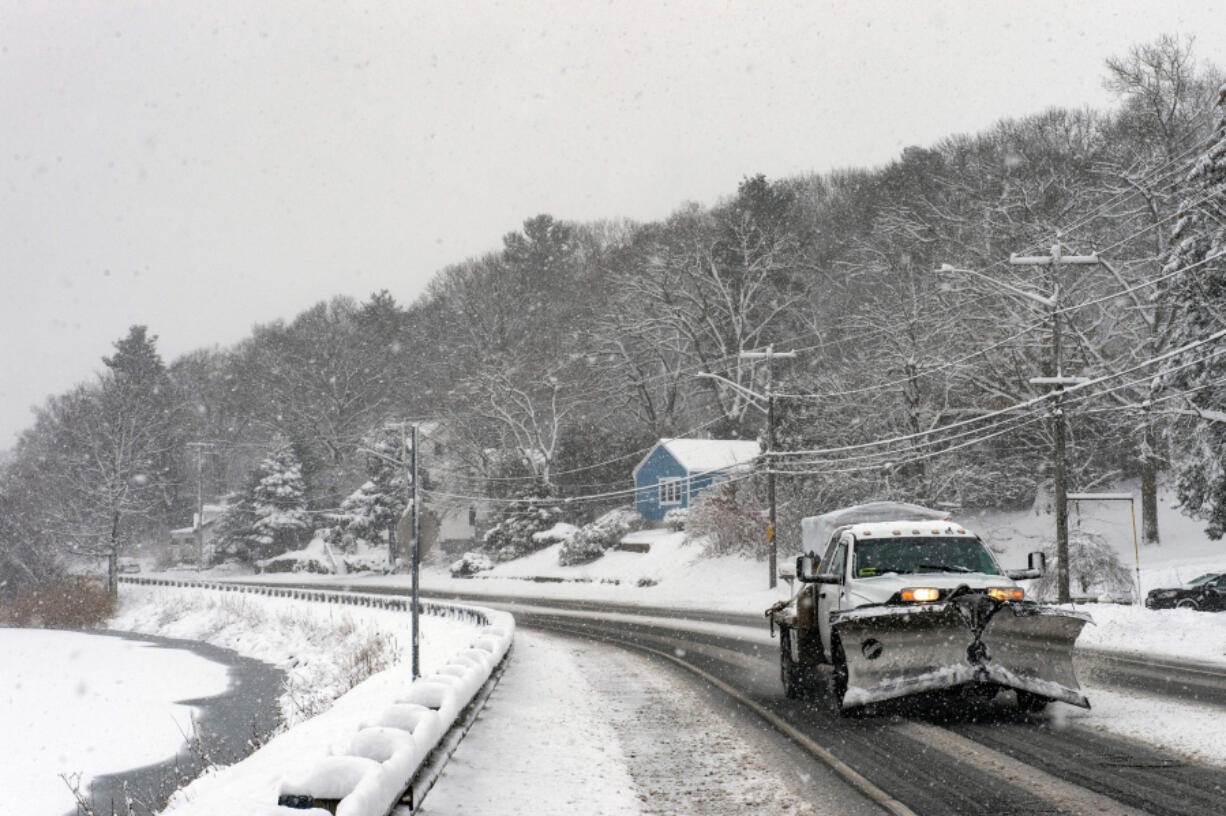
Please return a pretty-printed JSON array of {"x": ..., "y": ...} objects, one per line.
[{"x": 548, "y": 367}]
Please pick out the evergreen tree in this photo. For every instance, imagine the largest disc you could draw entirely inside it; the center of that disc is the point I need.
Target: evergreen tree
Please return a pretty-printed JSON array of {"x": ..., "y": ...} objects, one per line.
[
  {"x": 370, "y": 513},
  {"x": 270, "y": 516},
  {"x": 1198, "y": 260},
  {"x": 534, "y": 512}
]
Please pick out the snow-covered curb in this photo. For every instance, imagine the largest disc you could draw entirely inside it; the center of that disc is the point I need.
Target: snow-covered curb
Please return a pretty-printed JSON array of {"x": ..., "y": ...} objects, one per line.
[
  {"x": 346, "y": 759},
  {"x": 370, "y": 774}
]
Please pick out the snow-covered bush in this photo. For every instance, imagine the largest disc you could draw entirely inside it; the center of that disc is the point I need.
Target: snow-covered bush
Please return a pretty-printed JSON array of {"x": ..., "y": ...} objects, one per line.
[
  {"x": 1095, "y": 569},
  {"x": 594, "y": 539},
  {"x": 730, "y": 517},
  {"x": 296, "y": 561},
  {"x": 513, "y": 536},
  {"x": 470, "y": 564},
  {"x": 366, "y": 559},
  {"x": 675, "y": 519},
  {"x": 558, "y": 533}
]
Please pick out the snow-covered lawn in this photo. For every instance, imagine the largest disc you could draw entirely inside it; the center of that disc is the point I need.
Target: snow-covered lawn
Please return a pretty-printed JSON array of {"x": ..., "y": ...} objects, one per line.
[
  {"x": 674, "y": 573},
  {"x": 1180, "y": 634},
  {"x": 74, "y": 703},
  {"x": 325, "y": 648}
]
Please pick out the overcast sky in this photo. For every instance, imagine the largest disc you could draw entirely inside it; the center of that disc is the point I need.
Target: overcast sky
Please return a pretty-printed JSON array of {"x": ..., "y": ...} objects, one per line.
[{"x": 204, "y": 166}]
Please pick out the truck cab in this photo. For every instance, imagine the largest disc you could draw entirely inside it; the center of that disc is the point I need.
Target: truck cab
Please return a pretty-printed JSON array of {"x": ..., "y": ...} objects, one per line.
[{"x": 874, "y": 563}]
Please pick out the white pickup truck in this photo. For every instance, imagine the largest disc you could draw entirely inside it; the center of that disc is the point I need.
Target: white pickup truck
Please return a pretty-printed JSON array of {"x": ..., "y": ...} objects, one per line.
[{"x": 904, "y": 600}]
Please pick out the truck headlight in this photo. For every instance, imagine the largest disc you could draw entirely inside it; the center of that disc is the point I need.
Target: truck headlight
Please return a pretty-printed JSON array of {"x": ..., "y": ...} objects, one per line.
[
  {"x": 920, "y": 594},
  {"x": 1006, "y": 593}
]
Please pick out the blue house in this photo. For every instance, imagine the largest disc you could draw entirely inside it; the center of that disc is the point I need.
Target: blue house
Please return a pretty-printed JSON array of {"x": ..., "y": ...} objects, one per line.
[{"x": 675, "y": 471}]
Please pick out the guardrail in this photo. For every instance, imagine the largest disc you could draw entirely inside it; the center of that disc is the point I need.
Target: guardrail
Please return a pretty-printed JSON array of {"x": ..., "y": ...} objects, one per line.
[
  {"x": 477, "y": 616},
  {"x": 394, "y": 758}
]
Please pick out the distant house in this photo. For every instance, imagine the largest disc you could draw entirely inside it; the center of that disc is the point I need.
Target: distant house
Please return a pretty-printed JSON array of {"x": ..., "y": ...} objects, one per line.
[
  {"x": 675, "y": 471},
  {"x": 183, "y": 543},
  {"x": 457, "y": 518}
]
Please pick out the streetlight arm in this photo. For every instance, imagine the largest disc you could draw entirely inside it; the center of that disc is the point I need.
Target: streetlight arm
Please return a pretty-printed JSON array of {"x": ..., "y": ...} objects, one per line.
[
  {"x": 754, "y": 396},
  {"x": 1048, "y": 302}
]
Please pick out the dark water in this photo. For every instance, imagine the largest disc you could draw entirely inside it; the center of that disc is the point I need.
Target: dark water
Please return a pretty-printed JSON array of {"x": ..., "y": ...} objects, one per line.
[{"x": 226, "y": 727}]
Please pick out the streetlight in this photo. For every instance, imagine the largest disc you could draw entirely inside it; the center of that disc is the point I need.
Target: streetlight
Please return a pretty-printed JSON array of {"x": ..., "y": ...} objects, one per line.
[
  {"x": 769, "y": 355},
  {"x": 1056, "y": 381}
]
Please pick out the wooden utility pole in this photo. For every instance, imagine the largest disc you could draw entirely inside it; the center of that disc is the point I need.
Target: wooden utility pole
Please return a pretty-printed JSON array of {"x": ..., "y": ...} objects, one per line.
[
  {"x": 770, "y": 356},
  {"x": 1058, "y": 382}
]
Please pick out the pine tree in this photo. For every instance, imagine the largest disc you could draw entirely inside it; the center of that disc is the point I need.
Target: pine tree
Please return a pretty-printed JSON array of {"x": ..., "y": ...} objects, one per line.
[
  {"x": 370, "y": 513},
  {"x": 1198, "y": 261},
  {"x": 533, "y": 512},
  {"x": 270, "y": 515}
]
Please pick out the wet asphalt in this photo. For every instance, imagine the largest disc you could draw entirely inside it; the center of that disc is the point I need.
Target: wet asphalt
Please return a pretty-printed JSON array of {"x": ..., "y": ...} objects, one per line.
[{"x": 228, "y": 727}]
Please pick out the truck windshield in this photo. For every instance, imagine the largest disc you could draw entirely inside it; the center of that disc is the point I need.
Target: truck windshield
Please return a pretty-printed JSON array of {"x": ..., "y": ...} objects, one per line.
[{"x": 880, "y": 556}]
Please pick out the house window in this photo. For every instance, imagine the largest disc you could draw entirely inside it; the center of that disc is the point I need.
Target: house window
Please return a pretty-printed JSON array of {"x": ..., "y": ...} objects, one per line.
[{"x": 671, "y": 491}]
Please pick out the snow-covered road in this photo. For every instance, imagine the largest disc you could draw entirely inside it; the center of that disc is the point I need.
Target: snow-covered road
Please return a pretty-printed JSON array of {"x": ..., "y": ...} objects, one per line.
[{"x": 578, "y": 727}]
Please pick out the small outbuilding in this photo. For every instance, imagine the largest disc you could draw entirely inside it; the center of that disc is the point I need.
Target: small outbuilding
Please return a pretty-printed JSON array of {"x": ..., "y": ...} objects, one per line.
[{"x": 675, "y": 471}]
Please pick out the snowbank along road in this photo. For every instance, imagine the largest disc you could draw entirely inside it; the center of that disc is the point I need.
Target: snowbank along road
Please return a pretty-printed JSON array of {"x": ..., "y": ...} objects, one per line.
[{"x": 915, "y": 758}]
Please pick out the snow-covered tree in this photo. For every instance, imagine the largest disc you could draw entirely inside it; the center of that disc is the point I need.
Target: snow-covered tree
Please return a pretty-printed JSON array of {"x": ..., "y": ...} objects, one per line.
[
  {"x": 1095, "y": 568},
  {"x": 270, "y": 516},
  {"x": 98, "y": 470},
  {"x": 512, "y": 536},
  {"x": 1197, "y": 258},
  {"x": 370, "y": 513},
  {"x": 731, "y": 516}
]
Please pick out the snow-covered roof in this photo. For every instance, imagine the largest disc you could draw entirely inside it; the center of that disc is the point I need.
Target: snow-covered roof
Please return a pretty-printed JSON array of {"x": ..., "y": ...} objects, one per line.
[
  {"x": 816, "y": 530},
  {"x": 706, "y": 455}
]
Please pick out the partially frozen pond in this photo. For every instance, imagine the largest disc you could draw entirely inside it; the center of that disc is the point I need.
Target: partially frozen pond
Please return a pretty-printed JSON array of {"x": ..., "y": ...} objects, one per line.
[{"x": 91, "y": 704}]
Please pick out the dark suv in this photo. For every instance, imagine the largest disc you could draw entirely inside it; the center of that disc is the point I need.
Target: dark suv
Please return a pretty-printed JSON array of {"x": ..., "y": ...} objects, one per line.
[{"x": 1207, "y": 592}]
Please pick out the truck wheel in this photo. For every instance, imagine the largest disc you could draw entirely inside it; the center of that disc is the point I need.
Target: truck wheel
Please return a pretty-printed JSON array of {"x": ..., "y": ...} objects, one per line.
[
  {"x": 1031, "y": 703},
  {"x": 838, "y": 677},
  {"x": 789, "y": 672}
]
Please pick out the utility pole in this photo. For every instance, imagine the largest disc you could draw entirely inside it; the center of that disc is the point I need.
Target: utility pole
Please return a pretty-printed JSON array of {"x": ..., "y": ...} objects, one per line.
[
  {"x": 770, "y": 356},
  {"x": 199, "y": 525},
  {"x": 415, "y": 549},
  {"x": 1058, "y": 382}
]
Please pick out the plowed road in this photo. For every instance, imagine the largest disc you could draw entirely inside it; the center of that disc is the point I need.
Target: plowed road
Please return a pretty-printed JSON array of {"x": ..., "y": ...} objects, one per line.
[{"x": 932, "y": 759}]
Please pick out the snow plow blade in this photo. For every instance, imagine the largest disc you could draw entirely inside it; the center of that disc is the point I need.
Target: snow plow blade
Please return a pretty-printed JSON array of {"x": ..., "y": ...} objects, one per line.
[
  {"x": 1031, "y": 648},
  {"x": 892, "y": 653}
]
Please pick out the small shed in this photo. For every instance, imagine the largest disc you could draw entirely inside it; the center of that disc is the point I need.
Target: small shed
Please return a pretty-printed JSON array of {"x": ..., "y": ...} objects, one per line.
[{"x": 675, "y": 471}]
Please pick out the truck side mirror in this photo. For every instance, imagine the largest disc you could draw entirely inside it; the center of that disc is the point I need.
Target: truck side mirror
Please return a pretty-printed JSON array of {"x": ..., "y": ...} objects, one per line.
[
  {"x": 1037, "y": 562},
  {"x": 806, "y": 569},
  {"x": 1036, "y": 565}
]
